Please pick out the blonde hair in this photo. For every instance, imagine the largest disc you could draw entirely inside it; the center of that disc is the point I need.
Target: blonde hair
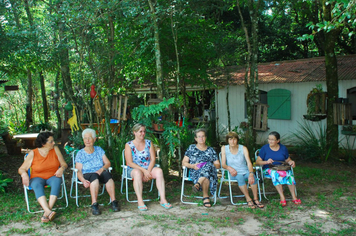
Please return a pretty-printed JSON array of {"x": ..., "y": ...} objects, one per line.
[{"x": 137, "y": 127}]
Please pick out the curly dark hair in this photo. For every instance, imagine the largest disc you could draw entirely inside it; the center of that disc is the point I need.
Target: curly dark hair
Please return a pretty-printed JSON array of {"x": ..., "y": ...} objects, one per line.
[{"x": 42, "y": 138}]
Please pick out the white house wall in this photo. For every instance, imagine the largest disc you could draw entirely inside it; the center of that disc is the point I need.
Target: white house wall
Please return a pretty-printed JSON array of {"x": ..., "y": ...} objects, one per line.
[{"x": 299, "y": 93}]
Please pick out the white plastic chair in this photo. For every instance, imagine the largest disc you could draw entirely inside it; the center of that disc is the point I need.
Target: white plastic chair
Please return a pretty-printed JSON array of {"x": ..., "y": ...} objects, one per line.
[
  {"x": 186, "y": 177},
  {"x": 261, "y": 176},
  {"x": 126, "y": 178},
  {"x": 26, "y": 189},
  {"x": 75, "y": 181},
  {"x": 226, "y": 177}
]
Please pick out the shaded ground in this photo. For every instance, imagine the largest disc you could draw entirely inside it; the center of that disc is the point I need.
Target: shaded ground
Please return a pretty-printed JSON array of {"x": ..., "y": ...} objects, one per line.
[{"x": 327, "y": 192}]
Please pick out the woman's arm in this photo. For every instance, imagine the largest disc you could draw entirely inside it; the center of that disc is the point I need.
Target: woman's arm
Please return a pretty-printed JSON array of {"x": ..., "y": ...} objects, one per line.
[
  {"x": 79, "y": 167},
  {"x": 62, "y": 162},
  {"x": 106, "y": 165},
  {"x": 186, "y": 163},
  {"x": 290, "y": 162},
  {"x": 232, "y": 171},
  {"x": 153, "y": 158},
  {"x": 24, "y": 168},
  {"x": 129, "y": 162},
  {"x": 260, "y": 162},
  {"x": 251, "y": 179}
]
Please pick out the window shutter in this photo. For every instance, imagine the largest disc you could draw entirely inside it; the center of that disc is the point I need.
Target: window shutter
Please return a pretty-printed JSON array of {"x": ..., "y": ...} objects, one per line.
[{"x": 279, "y": 104}]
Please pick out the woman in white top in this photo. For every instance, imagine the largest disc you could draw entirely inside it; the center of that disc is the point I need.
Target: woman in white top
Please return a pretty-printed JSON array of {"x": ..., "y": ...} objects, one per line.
[{"x": 235, "y": 159}]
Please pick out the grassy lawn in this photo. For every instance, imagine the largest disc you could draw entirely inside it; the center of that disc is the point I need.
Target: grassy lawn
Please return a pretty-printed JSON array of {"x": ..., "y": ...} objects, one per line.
[{"x": 328, "y": 208}]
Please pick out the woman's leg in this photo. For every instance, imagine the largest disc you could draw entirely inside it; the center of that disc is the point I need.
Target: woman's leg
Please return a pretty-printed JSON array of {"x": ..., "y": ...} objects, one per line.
[
  {"x": 110, "y": 188},
  {"x": 56, "y": 184},
  {"x": 241, "y": 180},
  {"x": 292, "y": 191},
  {"x": 280, "y": 192},
  {"x": 137, "y": 176},
  {"x": 38, "y": 185},
  {"x": 94, "y": 191},
  {"x": 157, "y": 174},
  {"x": 205, "y": 187}
]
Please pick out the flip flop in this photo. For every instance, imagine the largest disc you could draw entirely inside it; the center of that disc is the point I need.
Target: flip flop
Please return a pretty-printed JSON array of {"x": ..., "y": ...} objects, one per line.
[
  {"x": 259, "y": 205},
  {"x": 44, "y": 219},
  {"x": 51, "y": 215},
  {"x": 297, "y": 201},
  {"x": 283, "y": 203},
  {"x": 142, "y": 208},
  {"x": 167, "y": 205},
  {"x": 196, "y": 188}
]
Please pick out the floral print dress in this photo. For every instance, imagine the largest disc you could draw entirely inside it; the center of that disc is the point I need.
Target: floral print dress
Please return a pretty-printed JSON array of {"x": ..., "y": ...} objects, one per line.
[
  {"x": 141, "y": 158},
  {"x": 208, "y": 170}
]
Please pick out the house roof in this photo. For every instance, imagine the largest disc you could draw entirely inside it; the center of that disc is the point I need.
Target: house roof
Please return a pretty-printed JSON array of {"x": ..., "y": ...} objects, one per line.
[{"x": 294, "y": 71}]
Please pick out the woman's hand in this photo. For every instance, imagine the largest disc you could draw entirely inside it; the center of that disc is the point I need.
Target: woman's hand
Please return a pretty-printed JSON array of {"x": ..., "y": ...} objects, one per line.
[
  {"x": 251, "y": 179},
  {"x": 99, "y": 171},
  {"x": 86, "y": 183},
  {"x": 269, "y": 161},
  {"x": 291, "y": 163},
  {"x": 25, "y": 179},
  {"x": 59, "y": 172},
  {"x": 147, "y": 175},
  {"x": 195, "y": 166},
  {"x": 232, "y": 171}
]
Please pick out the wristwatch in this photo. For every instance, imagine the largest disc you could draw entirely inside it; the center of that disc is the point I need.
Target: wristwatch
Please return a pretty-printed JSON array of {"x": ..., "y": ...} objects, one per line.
[{"x": 104, "y": 169}]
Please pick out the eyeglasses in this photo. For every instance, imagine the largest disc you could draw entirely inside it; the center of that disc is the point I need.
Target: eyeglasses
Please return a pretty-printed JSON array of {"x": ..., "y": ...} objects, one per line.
[
  {"x": 203, "y": 136},
  {"x": 272, "y": 140}
]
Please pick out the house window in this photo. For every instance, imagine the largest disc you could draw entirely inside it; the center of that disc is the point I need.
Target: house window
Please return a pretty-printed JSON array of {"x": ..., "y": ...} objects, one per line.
[
  {"x": 279, "y": 104},
  {"x": 351, "y": 95},
  {"x": 262, "y": 99}
]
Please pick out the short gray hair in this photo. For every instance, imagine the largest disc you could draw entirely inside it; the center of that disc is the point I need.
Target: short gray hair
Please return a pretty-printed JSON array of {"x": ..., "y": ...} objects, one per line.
[
  {"x": 89, "y": 131},
  {"x": 199, "y": 130}
]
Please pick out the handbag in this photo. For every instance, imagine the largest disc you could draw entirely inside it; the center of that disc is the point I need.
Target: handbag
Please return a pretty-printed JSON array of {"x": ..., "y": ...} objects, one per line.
[{"x": 284, "y": 166}]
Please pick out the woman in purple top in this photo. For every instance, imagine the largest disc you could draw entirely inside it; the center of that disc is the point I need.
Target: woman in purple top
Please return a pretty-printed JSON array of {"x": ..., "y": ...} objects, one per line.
[
  {"x": 140, "y": 157},
  {"x": 269, "y": 154}
]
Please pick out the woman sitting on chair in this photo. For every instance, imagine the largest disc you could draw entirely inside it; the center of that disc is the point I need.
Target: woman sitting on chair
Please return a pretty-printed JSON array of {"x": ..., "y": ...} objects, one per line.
[
  {"x": 140, "y": 157},
  {"x": 92, "y": 165},
  {"x": 235, "y": 158},
  {"x": 274, "y": 153},
  {"x": 203, "y": 162},
  {"x": 47, "y": 167}
]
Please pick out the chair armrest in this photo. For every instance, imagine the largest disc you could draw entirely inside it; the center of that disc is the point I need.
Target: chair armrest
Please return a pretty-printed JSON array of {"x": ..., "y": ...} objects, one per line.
[{"x": 74, "y": 169}]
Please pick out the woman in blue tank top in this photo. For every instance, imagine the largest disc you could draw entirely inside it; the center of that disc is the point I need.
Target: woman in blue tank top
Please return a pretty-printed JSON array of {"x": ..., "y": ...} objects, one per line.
[{"x": 235, "y": 159}]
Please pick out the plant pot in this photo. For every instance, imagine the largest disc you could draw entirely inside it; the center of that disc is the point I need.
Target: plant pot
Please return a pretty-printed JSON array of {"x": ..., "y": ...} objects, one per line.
[{"x": 157, "y": 127}]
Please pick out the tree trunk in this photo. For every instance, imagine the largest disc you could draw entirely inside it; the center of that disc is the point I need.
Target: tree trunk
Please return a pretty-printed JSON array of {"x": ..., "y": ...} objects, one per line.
[
  {"x": 29, "y": 120},
  {"x": 64, "y": 58},
  {"x": 159, "y": 71},
  {"x": 227, "y": 103},
  {"x": 251, "y": 76},
  {"x": 44, "y": 97},
  {"x": 56, "y": 107},
  {"x": 332, "y": 84}
]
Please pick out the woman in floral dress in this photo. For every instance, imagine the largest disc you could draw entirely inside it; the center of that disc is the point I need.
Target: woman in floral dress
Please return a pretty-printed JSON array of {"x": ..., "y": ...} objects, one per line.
[
  {"x": 140, "y": 157},
  {"x": 203, "y": 162}
]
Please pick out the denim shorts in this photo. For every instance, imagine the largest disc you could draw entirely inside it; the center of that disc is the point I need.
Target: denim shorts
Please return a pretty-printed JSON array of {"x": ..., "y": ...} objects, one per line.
[{"x": 241, "y": 179}]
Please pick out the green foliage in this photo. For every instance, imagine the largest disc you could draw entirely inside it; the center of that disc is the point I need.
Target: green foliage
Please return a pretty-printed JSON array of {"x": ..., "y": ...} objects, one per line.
[
  {"x": 347, "y": 150},
  {"x": 4, "y": 182},
  {"x": 311, "y": 142},
  {"x": 36, "y": 128}
]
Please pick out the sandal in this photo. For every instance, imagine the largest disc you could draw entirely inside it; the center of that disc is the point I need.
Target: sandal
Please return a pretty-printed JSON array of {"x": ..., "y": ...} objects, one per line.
[
  {"x": 51, "y": 215},
  {"x": 251, "y": 205},
  {"x": 283, "y": 203},
  {"x": 258, "y": 204},
  {"x": 44, "y": 219},
  {"x": 206, "y": 203},
  {"x": 196, "y": 187},
  {"x": 297, "y": 201},
  {"x": 167, "y": 205}
]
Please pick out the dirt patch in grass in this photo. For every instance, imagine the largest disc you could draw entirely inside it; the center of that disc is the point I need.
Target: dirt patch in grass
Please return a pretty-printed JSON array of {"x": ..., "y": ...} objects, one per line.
[{"x": 327, "y": 191}]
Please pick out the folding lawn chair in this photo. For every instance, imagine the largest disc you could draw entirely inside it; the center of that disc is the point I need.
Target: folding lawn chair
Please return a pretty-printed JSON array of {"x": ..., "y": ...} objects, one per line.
[
  {"x": 75, "y": 181},
  {"x": 262, "y": 177},
  {"x": 226, "y": 177},
  {"x": 186, "y": 177},
  {"x": 27, "y": 189},
  {"x": 126, "y": 178}
]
